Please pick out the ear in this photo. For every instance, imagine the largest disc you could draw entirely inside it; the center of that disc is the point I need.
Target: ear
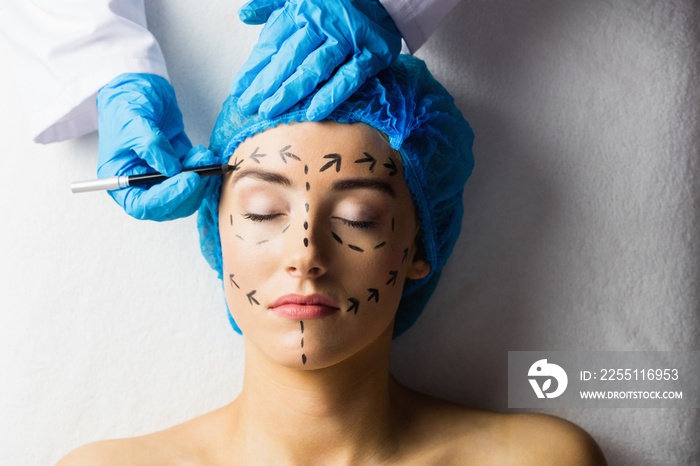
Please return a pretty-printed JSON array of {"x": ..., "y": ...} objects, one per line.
[{"x": 418, "y": 269}]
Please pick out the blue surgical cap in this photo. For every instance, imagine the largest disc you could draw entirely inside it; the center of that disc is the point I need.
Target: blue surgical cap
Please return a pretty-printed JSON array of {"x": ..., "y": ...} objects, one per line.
[{"x": 422, "y": 123}]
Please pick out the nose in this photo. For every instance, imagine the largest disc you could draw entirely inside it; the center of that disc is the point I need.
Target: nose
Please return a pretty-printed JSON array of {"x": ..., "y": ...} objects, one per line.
[{"x": 304, "y": 259}]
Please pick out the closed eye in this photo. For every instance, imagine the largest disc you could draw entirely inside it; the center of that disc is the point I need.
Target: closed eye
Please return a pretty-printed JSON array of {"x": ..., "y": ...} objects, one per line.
[
  {"x": 362, "y": 225},
  {"x": 260, "y": 217}
]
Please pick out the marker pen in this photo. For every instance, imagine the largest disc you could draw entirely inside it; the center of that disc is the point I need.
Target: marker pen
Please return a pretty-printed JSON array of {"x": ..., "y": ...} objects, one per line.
[{"x": 124, "y": 181}]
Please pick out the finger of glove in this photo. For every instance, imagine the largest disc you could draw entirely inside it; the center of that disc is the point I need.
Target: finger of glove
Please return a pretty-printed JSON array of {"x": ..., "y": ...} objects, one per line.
[
  {"x": 151, "y": 145},
  {"x": 181, "y": 145},
  {"x": 165, "y": 201},
  {"x": 342, "y": 85},
  {"x": 278, "y": 29},
  {"x": 258, "y": 11},
  {"x": 199, "y": 156},
  {"x": 315, "y": 69},
  {"x": 292, "y": 54}
]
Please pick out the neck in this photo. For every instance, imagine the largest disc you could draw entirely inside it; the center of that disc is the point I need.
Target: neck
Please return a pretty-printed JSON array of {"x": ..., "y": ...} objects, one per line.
[{"x": 335, "y": 415}]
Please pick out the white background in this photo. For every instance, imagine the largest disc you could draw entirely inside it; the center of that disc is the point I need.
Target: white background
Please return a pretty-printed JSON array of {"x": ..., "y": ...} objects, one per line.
[{"x": 581, "y": 232}]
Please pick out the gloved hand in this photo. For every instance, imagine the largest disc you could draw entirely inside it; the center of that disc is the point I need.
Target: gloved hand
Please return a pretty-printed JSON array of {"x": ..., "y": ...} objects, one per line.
[
  {"x": 301, "y": 45},
  {"x": 141, "y": 130}
]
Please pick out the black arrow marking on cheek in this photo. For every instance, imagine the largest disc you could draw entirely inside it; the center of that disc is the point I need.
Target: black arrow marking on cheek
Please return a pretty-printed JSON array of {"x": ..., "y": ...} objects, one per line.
[
  {"x": 335, "y": 159},
  {"x": 252, "y": 300},
  {"x": 392, "y": 277},
  {"x": 391, "y": 166},
  {"x": 255, "y": 156},
  {"x": 230, "y": 277},
  {"x": 368, "y": 159},
  {"x": 337, "y": 238},
  {"x": 405, "y": 254},
  {"x": 354, "y": 305},
  {"x": 373, "y": 293},
  {"x": 284, "y": 153},
  {"x": 380, "y": 245},
  {"x": 355, "y": 248}
]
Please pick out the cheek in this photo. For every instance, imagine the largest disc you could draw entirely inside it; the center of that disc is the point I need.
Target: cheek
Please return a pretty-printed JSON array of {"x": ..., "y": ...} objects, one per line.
[
  {"x": 373, "y": 280},
  {"x": 247, "y": 264}
]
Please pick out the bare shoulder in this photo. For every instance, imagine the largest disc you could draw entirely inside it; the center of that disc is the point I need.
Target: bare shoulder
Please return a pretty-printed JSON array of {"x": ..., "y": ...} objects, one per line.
[
  {"x": 184, "y": 444},
  {"x": 105, "y": 453},
  {"x": 453, "y": 434},
  {"x": 543, "y": 439}
]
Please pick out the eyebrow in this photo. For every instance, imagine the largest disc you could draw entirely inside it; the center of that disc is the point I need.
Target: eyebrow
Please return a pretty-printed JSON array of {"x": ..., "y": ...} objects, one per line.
[
  {"x": 362, "y": 183},
  {"x": 262, "y": 175},
  {"x": 341, "y": 185}
]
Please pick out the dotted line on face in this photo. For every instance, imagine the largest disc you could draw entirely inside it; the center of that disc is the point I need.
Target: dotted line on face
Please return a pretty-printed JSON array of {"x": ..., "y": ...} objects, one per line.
[
  {"x": 306, "y": 207},
  {"x": 306, "y": 245},
  {"x": 303, "y": 355}
]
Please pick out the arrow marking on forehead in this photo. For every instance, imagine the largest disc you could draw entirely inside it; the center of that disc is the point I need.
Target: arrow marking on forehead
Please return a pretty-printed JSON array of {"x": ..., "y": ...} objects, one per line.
[
  {"x": 284, "y": 154},
  {"x": 334, "y": 159},
  {"x": 368, "y": 159},
  {"x": 236, "y": 164},
  {"x": 255, "y": 156},
  {"x": 391, "y": 166}
]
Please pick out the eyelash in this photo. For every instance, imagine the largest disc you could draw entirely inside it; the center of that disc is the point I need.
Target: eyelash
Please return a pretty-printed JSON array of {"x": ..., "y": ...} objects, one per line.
[
  {"x": 362, "y": 225},
  {"x": 260, "y": 217}
]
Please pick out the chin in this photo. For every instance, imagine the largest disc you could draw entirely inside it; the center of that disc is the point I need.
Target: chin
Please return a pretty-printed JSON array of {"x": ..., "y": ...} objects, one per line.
[{"x": 317, "y": 346}]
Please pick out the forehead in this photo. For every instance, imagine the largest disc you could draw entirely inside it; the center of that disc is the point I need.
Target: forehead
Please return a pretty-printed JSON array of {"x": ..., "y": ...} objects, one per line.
[{"x": 313, "y": 141}]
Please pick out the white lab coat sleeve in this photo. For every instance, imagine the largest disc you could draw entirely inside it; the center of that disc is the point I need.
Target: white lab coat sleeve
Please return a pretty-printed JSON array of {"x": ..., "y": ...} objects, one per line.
[
  {"x": 418, "y": 19},
  {"x": 61, "y": 52}
]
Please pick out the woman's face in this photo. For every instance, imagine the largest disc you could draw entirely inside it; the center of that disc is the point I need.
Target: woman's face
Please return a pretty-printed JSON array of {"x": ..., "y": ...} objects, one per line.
[{"x": 318, "y": 234}]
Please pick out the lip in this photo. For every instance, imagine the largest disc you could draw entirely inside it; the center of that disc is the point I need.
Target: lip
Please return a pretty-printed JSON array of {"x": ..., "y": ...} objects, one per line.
[{"x": 294, "y": 306}]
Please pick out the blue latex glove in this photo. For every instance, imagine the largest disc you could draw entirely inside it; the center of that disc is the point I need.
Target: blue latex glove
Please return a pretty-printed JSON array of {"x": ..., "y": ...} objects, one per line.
[
  {"x": 303, "y": 43},
  {"x": 141, "y": 130}
]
